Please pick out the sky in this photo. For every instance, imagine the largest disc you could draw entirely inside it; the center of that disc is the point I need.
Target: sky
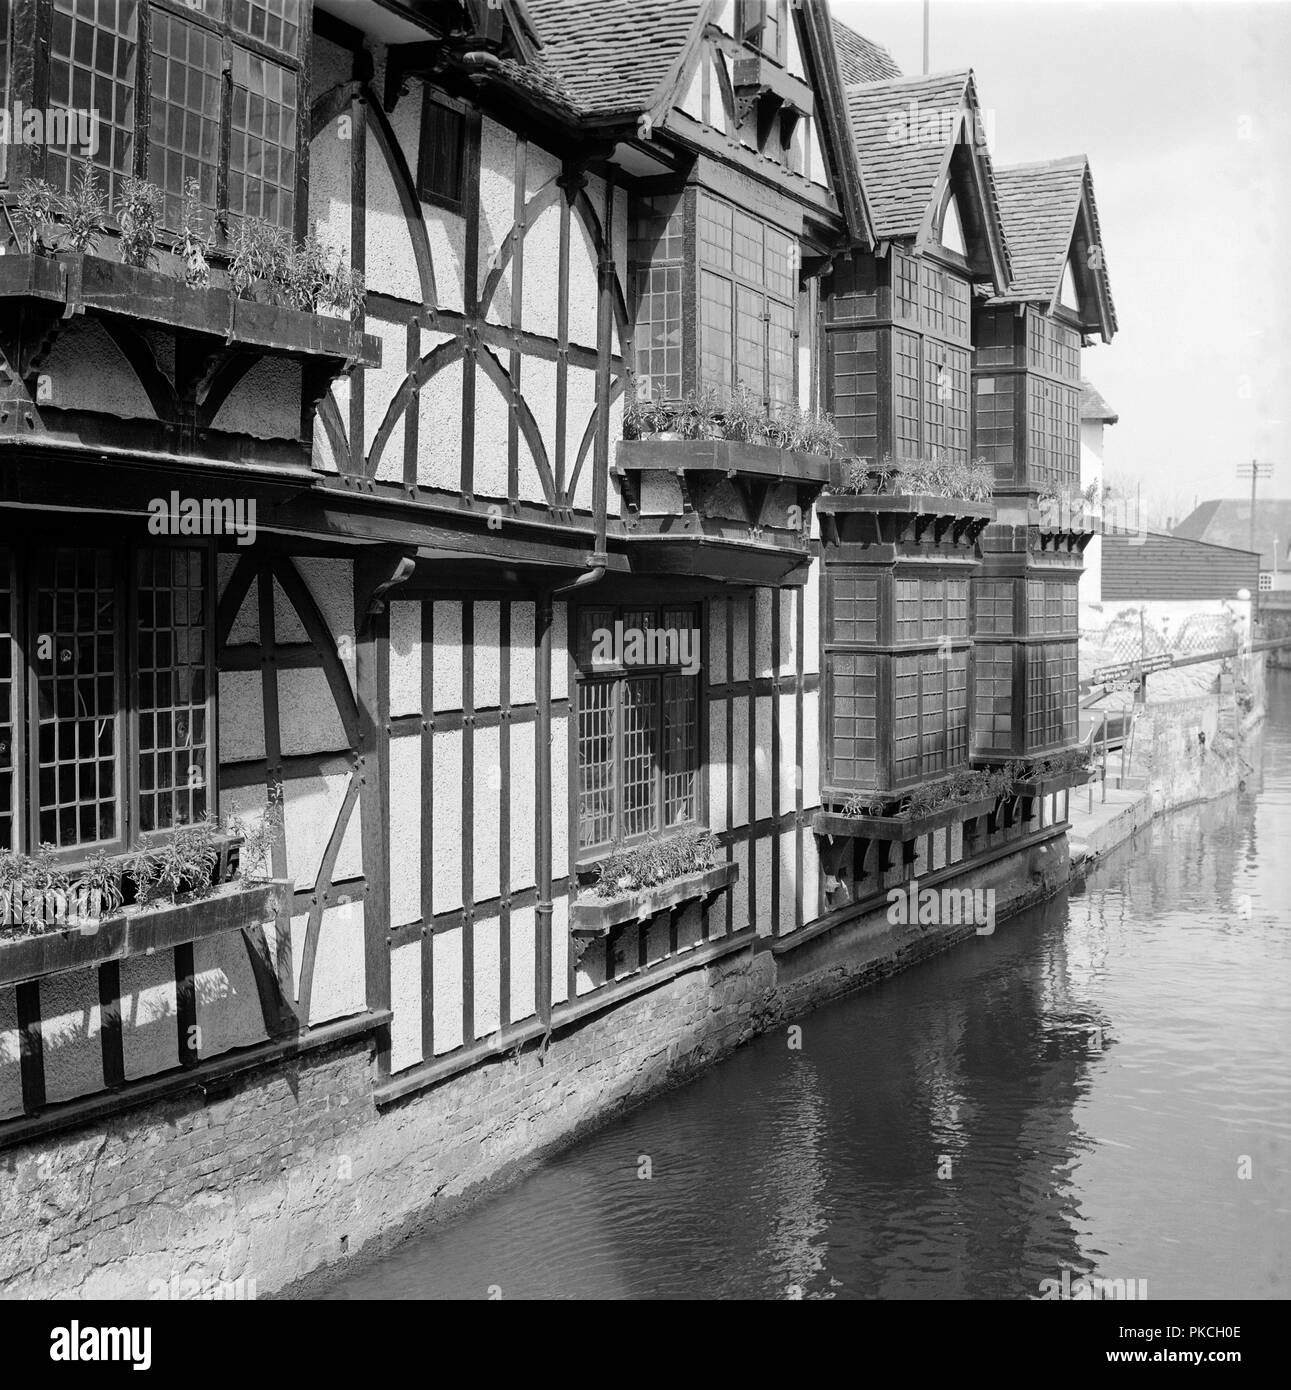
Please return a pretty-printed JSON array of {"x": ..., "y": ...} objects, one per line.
[{"x": 1185, "y": 113}]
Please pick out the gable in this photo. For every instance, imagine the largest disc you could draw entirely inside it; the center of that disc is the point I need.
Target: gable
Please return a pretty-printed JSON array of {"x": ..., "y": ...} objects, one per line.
[{"x": 915, "y": 138}]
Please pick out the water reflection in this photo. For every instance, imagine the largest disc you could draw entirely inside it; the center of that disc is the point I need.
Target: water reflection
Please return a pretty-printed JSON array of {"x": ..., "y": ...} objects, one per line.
[{"x": 1079, "y": 1091}]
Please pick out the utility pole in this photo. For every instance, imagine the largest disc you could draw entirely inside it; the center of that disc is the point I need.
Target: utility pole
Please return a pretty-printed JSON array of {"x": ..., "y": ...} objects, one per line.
[
  {"x": 927, "y": 33},
  {"x": 1254, "y": 471}
]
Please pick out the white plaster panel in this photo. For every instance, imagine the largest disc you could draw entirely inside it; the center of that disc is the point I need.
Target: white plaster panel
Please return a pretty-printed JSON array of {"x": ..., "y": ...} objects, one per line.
[
  {"x": 810, "y": 750},
  {"x": 740, "y": 640},
  {"x": 497, "y": 208},
  {"x": 70, "y": 1027},
  {"x": 446, "y": 236},
  {"x": 339, "y": 986},
  {"x": 591, "y": 971},
  {"x": 788, "y": 850},
  {"x": 446, "y": 801},
  {"x": 241, "y": 717},
  {"x": 811, "y": 621},
  {"x": 524, "y": 946},
  {"x": 559, "y": 801},
  {"x": 287, "y": 626},
  {"x": 405, "y": 1005},
  {"x": 331, "y": 582},
  {"x": 559, "y": 950},
  {"x": 788, "y": 653},
  {"x": 690, "y": 924},
  {"x": 380, "y": 386},
  {"x": 740, "y": 890},
  {"x": 540, "y": 397},
  {"x": 447, "y": 947},
  {"x": 405, "y": 829},
  {"x": 439, "y": 437},
  {"x": 789, "y": 774},
  {"x": 539, "y": 313},
  {"x": 391, "y": 265},
  {"x": 329, "y": 185},
  {"x": 581, "y": 406},
  {"x": 10, "y": 1056},
  {"x": 228, "y": 1004},
  {"x": 717, "y": 642},
  {"x": 766, "y": 905},
  {"x": 307, "y": 712},
  {"x": 810, "y": 877},
  {"x": 486, "y": 814},
  {"x": 956, "y": 842},
  {"x": 739, "y": 760},
  {"x": 559, "y": 651},
  {"x": 488, "y": 975},
  {"x": 541, "y": 167},
  {"x": 523, "y": 661},
  {"x": 310, "y": 808},
  {"x": 488, "y": 654},
  {"x": 692, "y": 99},
  {"x": 583, "y": 273},
  {"x": 446, "y": 669},
  {"x": 524, "y": 815},
  {"x": 939, "y": 848},
  {"x": 762, "y": 757},
  {"x": 492, "y": 439},
  {"x": 265, "y": 403},
  {"x": 149, "y": 1040},
  {"x": 718, "y": 767},
  {"x": 762, "y": 601},
  {"x": 405, "y": 657}
]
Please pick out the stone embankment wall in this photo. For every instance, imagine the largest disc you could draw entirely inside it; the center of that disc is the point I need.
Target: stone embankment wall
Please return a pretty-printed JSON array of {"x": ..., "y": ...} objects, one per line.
[{"x": 295, "y": 1171}]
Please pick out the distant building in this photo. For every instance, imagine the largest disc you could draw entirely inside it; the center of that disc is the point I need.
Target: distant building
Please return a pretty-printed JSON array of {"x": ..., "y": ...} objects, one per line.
[
  {"x": 1227, "y": 522},
  {"x": 1095, "y": 416}
]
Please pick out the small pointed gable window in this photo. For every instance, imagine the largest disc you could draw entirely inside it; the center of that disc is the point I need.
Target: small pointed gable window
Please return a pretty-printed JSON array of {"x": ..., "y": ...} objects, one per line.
[
  {"x": 952, "y": 229},
  {"x": 1067, "y": 296}
]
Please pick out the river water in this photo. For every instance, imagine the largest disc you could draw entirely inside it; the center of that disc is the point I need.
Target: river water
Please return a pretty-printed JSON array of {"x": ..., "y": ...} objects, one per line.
[{"x": 1102, "y": 1087}]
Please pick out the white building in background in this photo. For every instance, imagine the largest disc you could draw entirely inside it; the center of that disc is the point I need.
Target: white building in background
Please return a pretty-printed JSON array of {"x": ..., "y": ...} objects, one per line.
[{"x": 1095, "y": 416}]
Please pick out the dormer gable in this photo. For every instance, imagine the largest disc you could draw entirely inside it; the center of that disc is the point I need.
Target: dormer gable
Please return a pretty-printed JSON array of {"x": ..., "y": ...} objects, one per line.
[
  {"x": 920, "y": 141},
  {"x": 1060, "y": 265}
]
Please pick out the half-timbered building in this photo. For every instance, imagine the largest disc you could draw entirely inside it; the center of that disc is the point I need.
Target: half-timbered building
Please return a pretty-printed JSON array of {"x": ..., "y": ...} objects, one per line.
[{"x": 438, "y": 493}]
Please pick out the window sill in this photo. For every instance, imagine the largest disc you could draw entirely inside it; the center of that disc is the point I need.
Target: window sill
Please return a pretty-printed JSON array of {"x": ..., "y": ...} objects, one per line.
[
  {"x": 595, "y": 916},
  {"x": 81, "y": 282},
  {"x": 139, "y": 931}
]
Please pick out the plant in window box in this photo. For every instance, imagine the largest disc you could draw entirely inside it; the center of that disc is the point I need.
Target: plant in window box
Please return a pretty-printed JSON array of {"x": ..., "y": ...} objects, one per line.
[
  {"x": 85, "y": 211},
  {"x": 743, "y": 417},
  {"x": 700, "y": 416},
  {"x": 139, "y": 211},
  {"x": 35, "y": 217},
  {"x": 195, "y": 243},
  {"x": 634, "y": 884}
]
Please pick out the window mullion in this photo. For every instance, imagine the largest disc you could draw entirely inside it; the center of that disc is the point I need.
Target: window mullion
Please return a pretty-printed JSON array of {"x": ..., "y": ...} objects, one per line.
[
  {"x": 226, "y": 137},
  {"x": 620, "y": 772}
]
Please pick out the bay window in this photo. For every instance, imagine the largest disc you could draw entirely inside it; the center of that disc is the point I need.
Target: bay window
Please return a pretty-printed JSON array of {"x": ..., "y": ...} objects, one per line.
[
  {"x": 741, "y": 275},
  {"x": 106, "y": 685},
  {"x": 638, "y": 723},
  {"x": 185, "y": 89}
]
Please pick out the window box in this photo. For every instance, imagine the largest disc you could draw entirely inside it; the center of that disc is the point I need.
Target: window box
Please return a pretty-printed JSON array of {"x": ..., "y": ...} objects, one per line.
[
  {"x": 595, "y": 916},
  {"x": 903, "y": 519},
  {"x": 93, "y": 283},
  {"x": 139, "y": 931},
  {"x": 839, "y": 826},
  {"x": 1053, "y": 782}
]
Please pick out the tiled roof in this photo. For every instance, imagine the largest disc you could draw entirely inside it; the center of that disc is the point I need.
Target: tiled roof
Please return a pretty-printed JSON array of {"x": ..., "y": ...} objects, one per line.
[
  {"x": 1227, "y": 521},
  {"x": 895, "y": 125},
  {"x": 860, "y": 60},
  {"x": 1092, "y": 404},
  {"x": 608, "y": 57},
  {"x": 1039, "y": 203}
]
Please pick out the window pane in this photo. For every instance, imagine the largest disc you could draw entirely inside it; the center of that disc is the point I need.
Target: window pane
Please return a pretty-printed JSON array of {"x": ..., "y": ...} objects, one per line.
[
  {"x": 92, "y": 77},
  {"x": 171, "y": 652},
  {"x": 906, "y": 354},
  {"x": 184, "y": 137},
  {"x": 78, "y": 696},
  {"x": 640, "y": 755},
  {"x": 780, "y": 352},
  {"x": 440, "y": 161},
  {"x": 262, "y": 147},
  {"x": 715, "y": 231},
  {"x": 274, "y": 22},
  {"x": 596, "y": 780},
  {"x": 680, "y": 740},
  {"x": 750, "y": 340},
  {"x": 8, "y": 693},
  {"x": 750, "y": 263},
  {"x": 658, "y": 330},
  {"x": 715, "y": 348}
]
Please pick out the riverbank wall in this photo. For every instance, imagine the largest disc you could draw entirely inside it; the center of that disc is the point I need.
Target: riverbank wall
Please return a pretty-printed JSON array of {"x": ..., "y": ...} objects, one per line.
[{"x": 284, "y": 1175}]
